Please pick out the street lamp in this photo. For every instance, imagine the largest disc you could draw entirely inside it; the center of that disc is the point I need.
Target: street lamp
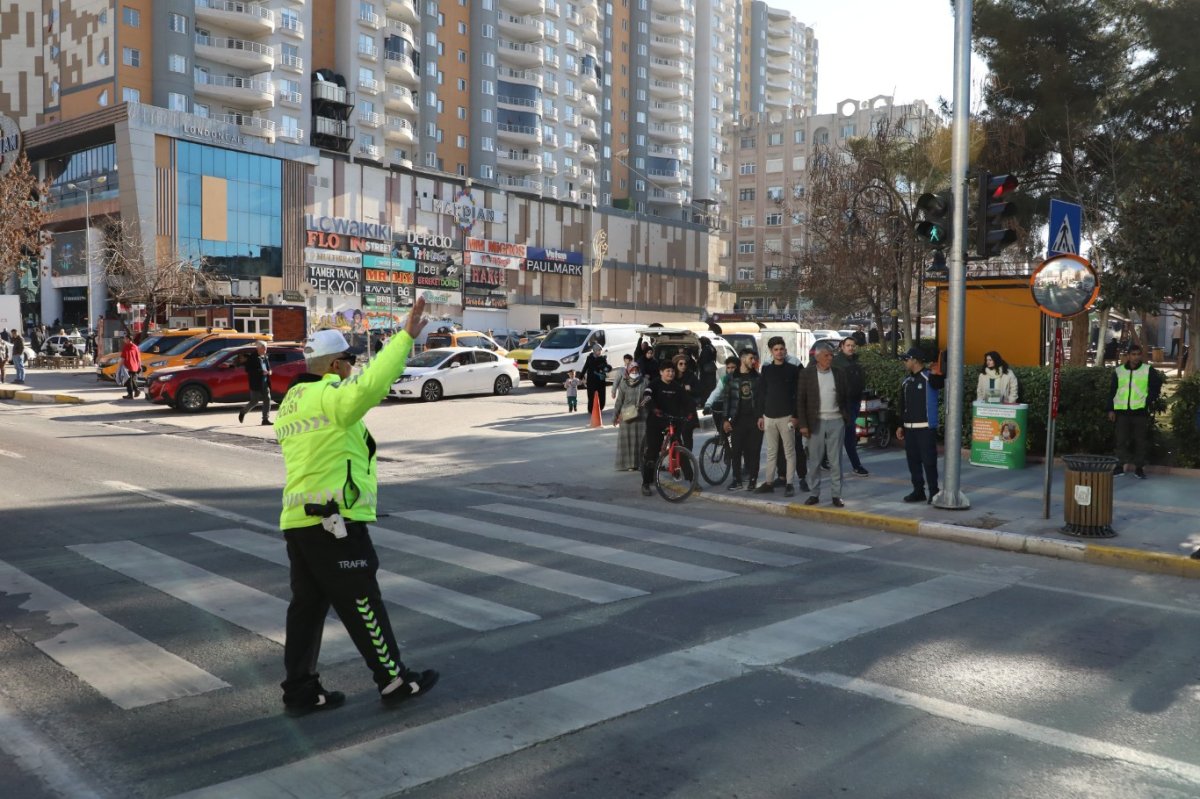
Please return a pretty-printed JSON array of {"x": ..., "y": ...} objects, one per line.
[{"x": 87, "y": 186}]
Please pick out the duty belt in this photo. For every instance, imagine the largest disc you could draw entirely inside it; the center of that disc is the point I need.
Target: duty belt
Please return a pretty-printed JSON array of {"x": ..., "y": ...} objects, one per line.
[{"x": 916, "y": 425}]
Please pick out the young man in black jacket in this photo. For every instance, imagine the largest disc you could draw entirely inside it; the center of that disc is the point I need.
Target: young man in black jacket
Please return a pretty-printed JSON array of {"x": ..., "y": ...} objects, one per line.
[
  {"x": 664, "y": 398},
  {"x": 740, "y": 410},
  {"x": 846, "y": 359},
  {"x": 776, "y": 404}
]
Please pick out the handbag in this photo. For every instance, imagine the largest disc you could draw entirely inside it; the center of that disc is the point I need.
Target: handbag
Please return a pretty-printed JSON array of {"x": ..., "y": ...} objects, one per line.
[{"x": 629, "y": 413}]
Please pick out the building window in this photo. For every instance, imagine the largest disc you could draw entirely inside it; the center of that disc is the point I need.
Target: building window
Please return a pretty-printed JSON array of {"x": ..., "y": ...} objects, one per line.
[
  {"x": 102, "y": 100},
  {"x": 745, "y": 248},
  {"x": 461, "y": 141},
  {"x": 746, "y": 168},
  {"x": 745, "y": 274},
  {"x": 774, "y": 164},
  {"x": 798, "y": 192},
  {"x": 774, "y": 273},
  {"x": 177, "y": 63},
  {"x": 131, "y": 95},
  {"x": 489, "y": 87},
  {"x": 747, "y": 221},
  {"x": 486, "y": 144},
  {"x": 775, "y": 139},
  {"x": 486, "y": 172},
  {"x": 747, "y": 142},
  {"x": 774, "y": 220},
  {"x": 200, "y": 110},
  {"x": 290, "y": 126},
  {"x": 131, "y": 57},
  {"x": 177, "y": 101},
  {"x": 177, "y": 23},
  {"x": 131, "y": 17},
  {"x": 462, "y": 112},
  {"x": 462, "y": 29},
  {"x": 746, "y": 195},
  {"x": 775, "y": 193},
  {"x": 798, "y": 137},
  {"x": 848, "y": 130},
  {"x": 798, "y": 163}
]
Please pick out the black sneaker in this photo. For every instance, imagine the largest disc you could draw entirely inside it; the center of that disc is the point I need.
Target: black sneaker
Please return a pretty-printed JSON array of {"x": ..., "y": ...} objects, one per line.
[
  {"x": 734, "y": 486},
  {"x": 408, "y": 685},
  {"x": 1139, "y": 473},
  {"x": 933, "y": 494},
  {"x": 790, "y": 491},
  {"x": 811, "y": 500},
  {"x": 1117, "y": 472},
  {"x": 751, "y": 484},
  {"x": 322, "y": 700},
  {"x": 915, "y": 496},
  {"x": 645, "y": 491},
  {"x": 837, "y": 502},
  {"x": 804, "y": 485},
  {"x": 861, "y": 471},
  {"x": 241, "y": 416},
  {"x": 825, "y": 464},
  {"x": 765, "y": 488},
  {"x": 780, "y": 482}
]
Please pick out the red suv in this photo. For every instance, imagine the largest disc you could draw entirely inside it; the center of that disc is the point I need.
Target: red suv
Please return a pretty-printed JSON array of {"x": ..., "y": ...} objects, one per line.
[{"x": 221, "y": 378}]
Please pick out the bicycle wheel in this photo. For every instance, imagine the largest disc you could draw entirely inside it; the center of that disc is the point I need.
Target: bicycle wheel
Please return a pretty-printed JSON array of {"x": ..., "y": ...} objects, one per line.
[
  {"x": 714, "y": 461},
  {"x": 676, "y": 485}
]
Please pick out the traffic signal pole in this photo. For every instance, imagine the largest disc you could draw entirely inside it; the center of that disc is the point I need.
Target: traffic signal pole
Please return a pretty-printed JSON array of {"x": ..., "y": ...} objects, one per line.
[{"x": 951, "y": 497}]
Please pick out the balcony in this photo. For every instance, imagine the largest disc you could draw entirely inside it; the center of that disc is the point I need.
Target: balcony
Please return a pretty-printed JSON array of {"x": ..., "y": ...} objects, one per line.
[
  {"x": 369, "y": 19},
  {"x": 525, "y": 76},
  {"x": 525, "y": 6},
  {"x": 665, "y": 197},
  {"x": 528, "y": 55},
  {"x": 520, "y": 134},
  {"x": 549, "y": 167},
  {"x": 669, "y": 89},
  {"x": 248, "y": 18},
  {"x": 667, "y": 151},
  {"x": 368, "y": 52},
  {"x": 775, "y": 47},
  {"x": 400, "y": 98},
  {"x": 292, "y": 63},
  {"x": 401, "y": 67},
  {"x": 665, "y": 132},
  {"x": 254, "y": 126},
  {"x": 516, "y": 103},
  {"x": 669, "y": 45},
  {"x": 400, "y": 129},
  {"x": 396, "y": 27},
  {"x": 370, "y": 151},
  {"x": 588, "y": 8},
  {"x": 370, "y": 119},
  {"x": 587, "y": 176},
  {"x": 587, "y": 105},
  {"x": 291, "y": 134},
  {"x": 672, "y": 67},
  {"x": 670, "y": 23},
  {"x": 587, "y": 154},
  {"x": 666, "y": 177},
  {"x": 552, "y": 8},
  {"x": 518, "y": 161},
  {"x": 551, "y": 86},
  {"x": 519, "y": 184},
  {"x": 550, "y": 112},
  {"x": 668, "y": 111},
  {"x": 401, "y": 158},
  {"x": 588, "y": 129},
  {"x": 245, "y": 92},
  {"x": 292, "y": 99},
  {"x": 405, "y": 10},
  {"x": 591, "y": 32},
  {"x": 236, "y": 52},
  {"x": 672, "y": 6},
  {"x": 369, "y": 86},
  {"x": 589, "y": 82},
  {"x": 332, "y": 129},
  {"x": 324, "y": 92},
  {"x": 525, "y": 29},
  {"x": 571, "y": 172},
  {"x": 290, "y": 26}
]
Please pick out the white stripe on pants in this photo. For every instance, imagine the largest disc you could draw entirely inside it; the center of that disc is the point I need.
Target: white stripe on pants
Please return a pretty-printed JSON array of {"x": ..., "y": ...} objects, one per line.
[
  {"x": 826, "y": 443},
  {"x": 776, "y": 429}
]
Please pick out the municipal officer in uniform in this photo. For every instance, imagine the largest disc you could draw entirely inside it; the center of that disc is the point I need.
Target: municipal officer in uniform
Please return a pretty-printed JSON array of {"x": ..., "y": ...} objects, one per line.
[
  {"x": 328, "y": 499},
  {"x": 918, "y": 425},
  {"x": 1134, "y": 390}
]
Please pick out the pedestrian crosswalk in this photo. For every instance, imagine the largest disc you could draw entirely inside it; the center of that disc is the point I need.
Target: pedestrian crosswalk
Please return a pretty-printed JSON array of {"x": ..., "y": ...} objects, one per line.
[{"x": 476, "y": 568}]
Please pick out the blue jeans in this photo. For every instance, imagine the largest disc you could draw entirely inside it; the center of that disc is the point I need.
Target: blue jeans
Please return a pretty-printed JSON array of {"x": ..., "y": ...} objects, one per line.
[
  {"x": 851, "y": 436},
  {"x": 19, "y": 362}
]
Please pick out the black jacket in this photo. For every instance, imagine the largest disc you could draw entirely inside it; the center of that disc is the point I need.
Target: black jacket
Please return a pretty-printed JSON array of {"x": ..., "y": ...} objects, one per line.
[
  {"x": 856, "y": 378},
  {"x": 737, "y": 387},
  {"x": 1154, "y": 389},
  {"x": 668, "y": 399},
  {"x": 255, "y": 371},
  {"x": 777, "y": 390},
  {"x": 595, "y": 371},
  {"x": 808, "y": 398}
]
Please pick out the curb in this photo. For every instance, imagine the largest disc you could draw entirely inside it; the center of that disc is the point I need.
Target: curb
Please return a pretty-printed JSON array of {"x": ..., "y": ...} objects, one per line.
[
  {"x": 1096, "y": 554},
  {"x": 40, "y": 398}
]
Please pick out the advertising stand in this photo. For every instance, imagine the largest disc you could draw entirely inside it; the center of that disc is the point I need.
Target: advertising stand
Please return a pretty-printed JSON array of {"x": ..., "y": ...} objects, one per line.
[{"x": 998, "y": 435}]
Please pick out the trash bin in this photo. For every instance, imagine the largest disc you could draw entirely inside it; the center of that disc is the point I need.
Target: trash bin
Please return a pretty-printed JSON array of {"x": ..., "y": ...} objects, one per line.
[
  {"x": 1157, "y": 355},
  {"x": 1088, "y": 496}
]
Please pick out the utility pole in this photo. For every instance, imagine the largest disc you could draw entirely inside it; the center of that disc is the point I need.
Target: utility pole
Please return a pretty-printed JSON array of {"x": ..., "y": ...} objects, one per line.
[{"x": 950, "y": 497}]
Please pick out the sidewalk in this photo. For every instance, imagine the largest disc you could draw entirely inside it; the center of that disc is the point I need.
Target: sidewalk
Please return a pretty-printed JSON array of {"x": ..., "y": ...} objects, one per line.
[
  {"x": 62, "y": 386},
  {"x": 1157, "y": 520}
]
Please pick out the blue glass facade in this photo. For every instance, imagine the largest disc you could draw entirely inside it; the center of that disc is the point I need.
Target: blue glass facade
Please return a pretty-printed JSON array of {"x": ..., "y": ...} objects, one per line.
[{"x": 252, "y": 200}]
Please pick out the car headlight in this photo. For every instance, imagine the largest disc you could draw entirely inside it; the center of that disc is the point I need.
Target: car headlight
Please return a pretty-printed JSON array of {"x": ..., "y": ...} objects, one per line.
[
  {"x": 164, "y": 378},
  {"x": 406, "y": 378},
  {"x": 570, "y": 358}
]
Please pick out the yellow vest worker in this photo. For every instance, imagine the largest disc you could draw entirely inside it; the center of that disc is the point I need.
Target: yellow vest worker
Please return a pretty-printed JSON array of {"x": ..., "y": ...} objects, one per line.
[
  {"x": 328, "y": 497},
  {"x": 1134, "y": 390}
]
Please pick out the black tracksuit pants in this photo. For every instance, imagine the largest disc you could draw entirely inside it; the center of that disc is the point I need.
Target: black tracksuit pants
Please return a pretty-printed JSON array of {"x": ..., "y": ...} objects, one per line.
[
  {"x": 920, "y": 445},
  {"x": 337, "y": 572},
  {"x": 595, "y": 392},
  {"x": 745, "y": 447}
]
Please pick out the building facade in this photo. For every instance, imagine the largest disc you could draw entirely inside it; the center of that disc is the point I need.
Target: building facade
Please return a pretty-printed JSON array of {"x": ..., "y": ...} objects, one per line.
[{"x": 766, "y": 224}]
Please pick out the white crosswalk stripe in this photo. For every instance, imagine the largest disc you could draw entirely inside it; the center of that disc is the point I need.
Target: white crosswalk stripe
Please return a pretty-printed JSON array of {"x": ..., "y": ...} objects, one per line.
[
  {"x": 247, "y": 607},
  {"x": 568, "y": 546},
  {"x": 432, "y": 600},
  {"x": 124, "y": 667},
  {"x": 594, "y": 525},
  {"x": 728, "y": 528}
]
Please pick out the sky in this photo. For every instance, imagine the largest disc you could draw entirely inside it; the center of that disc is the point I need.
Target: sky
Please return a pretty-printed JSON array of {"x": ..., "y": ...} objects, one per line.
[{"x": 901, "y": 48}]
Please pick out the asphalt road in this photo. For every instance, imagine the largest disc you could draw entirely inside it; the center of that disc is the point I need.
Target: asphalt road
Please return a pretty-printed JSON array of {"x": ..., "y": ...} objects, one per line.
[{"x": 593, "y": 643}]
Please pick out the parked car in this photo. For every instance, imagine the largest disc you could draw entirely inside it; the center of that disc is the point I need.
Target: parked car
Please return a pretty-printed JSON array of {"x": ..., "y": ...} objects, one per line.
[
  {"x": 54, "y": 345},
  {"x": 198, "y": 347},
  {"x": 820, "y": 334},
  {"x": 448, "y": 337},
  {"x": 154, "y": 344},
  {"x": 566, "y": 348},
  {"x": 521, "y": 355},
  {"x": 221, "y": 378},
  {"x": 507, "y": 341},
  {"x": 454, "y": 371}
]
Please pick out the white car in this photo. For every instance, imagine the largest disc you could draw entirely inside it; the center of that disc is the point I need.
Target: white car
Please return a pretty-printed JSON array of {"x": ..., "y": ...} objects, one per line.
[
  {"x": 820, "y": 334},
  {"x": 451, "y": 371}
]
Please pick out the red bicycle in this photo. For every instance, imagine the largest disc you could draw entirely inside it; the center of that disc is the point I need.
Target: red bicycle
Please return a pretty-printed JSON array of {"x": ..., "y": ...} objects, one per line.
[{"x": 675, "y": 473}]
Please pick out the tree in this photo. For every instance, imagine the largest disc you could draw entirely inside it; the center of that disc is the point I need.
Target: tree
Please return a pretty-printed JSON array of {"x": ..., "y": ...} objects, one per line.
[
  {"x": 157, "y": 280},
  {"x": 23, "y": 218}
]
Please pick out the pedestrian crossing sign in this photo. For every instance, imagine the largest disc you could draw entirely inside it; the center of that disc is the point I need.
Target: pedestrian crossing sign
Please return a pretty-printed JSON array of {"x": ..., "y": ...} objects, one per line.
[{"x": 1066, "y": 228}]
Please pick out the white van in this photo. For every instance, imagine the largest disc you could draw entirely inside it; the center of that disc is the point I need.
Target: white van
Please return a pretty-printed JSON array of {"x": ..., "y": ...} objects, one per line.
[
  {"x": 756, "y": 335},
  {"x": 566, "y": 348}
]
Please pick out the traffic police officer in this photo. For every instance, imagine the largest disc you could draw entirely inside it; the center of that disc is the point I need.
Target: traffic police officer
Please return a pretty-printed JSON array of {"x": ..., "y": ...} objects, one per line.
[
  {"x": 918, "y": 425},
  {"x": 328, "y": 499},
  {"x": 1134, "y": 390}
]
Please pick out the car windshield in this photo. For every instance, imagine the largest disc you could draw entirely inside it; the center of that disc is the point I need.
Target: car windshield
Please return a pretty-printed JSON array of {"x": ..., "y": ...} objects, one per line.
[
  {"x": 148, "y": 343},
  {"x": 740, "y": 341},
  {"x": 566, "y": 338},
  {"x": 437, "y": 340},
  {"x": 215, "y": 358},
  {"x": 429, "y": 358},
  {"x": 184, "y": 345},
  {"x": 533, "y": 343}
]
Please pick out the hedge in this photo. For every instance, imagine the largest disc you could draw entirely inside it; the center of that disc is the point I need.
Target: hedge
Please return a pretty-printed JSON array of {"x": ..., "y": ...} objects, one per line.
[
  {"x": 1082, "y": 427},
  {"x": 1184, "y": 420}
]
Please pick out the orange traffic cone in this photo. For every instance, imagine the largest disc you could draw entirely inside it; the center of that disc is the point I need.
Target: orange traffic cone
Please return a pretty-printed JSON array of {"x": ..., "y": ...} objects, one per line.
[{"x": 596, "y": 422}]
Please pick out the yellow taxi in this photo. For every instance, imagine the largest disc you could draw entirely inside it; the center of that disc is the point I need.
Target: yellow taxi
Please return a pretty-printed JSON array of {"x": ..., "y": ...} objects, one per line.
[
  {"x": 448, "y": 337},
  {"x": 154, "y": 344},
  {"x": 523, "y": 353},
  {"x": 197, "y": 348}
]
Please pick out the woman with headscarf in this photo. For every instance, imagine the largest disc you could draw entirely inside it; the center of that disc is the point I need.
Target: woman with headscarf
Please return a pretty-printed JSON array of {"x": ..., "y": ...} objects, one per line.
[
  {"x": 595, "y": 374},
  {"x": 644, "y": 357},
  {"x": 630, "y": 417},
  {"x": 997, "y": 383}
]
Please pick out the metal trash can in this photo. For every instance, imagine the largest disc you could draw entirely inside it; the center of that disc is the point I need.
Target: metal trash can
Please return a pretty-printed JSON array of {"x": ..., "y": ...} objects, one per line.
[{"x": 1088, "y": 496}]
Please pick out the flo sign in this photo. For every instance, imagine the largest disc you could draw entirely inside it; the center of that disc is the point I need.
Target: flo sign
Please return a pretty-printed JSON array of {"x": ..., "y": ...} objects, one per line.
[{"x": 10, "y": 144}]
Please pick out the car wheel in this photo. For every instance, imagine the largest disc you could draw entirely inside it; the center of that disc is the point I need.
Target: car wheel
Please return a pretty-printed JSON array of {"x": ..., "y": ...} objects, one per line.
[
  {"x": 539, "y": 383},
  {"x": 431, "y": 391},
  {"x": 192, "y": 399},
  {"x": 503, "y": 385}
]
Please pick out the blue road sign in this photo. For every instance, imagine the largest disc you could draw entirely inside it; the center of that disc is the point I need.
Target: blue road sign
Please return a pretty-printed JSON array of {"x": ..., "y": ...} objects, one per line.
[{"x": 1066, "y": 228}]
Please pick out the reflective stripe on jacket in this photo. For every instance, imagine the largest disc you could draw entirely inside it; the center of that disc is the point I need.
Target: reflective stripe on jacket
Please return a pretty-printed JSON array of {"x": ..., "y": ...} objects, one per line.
[
  {"x": 1133, "y": 388},
  {"x": 327, "y": 449}
]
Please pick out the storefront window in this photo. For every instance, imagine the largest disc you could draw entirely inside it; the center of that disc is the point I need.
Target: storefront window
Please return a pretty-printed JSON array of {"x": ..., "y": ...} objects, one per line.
[
  {"x": 83, "y": 168},
  {"x": 232, "y": 219}
]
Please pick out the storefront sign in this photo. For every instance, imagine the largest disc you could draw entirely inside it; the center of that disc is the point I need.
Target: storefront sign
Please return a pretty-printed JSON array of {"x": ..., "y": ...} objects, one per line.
[
  {"x": 331, "y": 258},
  {"x": 497, "y": 301},
  {"x": 390, "y": 276},
  {"x": 348, "y": 227},
  {"x": 488, "y": 276},
  {"x": 497, "y": 261},
  {"x": 554, "y": 268},
  {"x": 551, "y": 254},
  {"x": 340, "y": 280},
  {"x": 998, "y": 434},
  {"x": 368, "y": 245},
  {"x": 464, "y": 210},
  {"x": 412, "y": 238},
  {"x": 496, "y": 247},
  {"x": 436, "y": 276},
  {"x": 380, "y": 262},
  {"x": 10, "y": 144},
  {"x": 440, "y": 297}
]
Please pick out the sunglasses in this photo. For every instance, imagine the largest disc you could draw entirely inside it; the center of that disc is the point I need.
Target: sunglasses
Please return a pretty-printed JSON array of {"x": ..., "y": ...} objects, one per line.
[{"x": 349, "y": 358}]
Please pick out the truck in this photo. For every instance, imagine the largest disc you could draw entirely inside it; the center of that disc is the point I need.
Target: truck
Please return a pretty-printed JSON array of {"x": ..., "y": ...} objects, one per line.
[{"x": 10, "y": 313}]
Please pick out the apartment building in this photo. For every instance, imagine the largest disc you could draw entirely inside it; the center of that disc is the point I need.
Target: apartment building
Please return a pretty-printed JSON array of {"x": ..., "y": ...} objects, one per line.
[{"x": 766, "y": 223}]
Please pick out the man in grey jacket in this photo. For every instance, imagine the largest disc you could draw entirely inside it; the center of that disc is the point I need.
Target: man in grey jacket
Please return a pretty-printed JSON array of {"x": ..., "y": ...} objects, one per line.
[{"x": 822, "y": 415}]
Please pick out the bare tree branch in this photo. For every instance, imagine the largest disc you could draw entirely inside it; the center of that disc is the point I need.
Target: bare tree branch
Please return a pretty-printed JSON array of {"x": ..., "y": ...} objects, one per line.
[
  {"x": 165, "y": 280},
  {"x": 23, "y": 217}
]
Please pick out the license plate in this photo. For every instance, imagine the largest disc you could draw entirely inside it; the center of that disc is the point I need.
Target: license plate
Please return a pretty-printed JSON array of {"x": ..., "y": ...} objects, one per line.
[{"x": 540, "y": 372}]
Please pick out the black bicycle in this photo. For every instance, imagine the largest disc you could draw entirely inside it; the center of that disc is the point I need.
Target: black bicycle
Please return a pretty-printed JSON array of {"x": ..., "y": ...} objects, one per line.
[{"x": 715, "y": 458}]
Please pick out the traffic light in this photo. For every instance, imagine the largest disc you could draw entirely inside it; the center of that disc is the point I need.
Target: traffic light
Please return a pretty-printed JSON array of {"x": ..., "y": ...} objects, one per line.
[
  {"x": 994, "y": 233},
  {"x": 937, "y": 229}
]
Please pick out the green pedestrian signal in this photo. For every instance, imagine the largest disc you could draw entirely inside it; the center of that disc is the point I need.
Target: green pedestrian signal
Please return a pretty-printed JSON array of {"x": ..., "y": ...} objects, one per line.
[{"x": 937, "y": 228}]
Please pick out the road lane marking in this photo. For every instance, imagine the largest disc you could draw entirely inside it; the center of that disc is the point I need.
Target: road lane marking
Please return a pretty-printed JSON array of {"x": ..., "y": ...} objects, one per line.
[
  {"x": 35, "y": 754},
  {"x": 244, "y": 521},
  {"x": 560, "y": 582},
  {"x": 740, "y": 530},
  {"x": 466, "y": 611},
  {"x": 8, "y": 454},
  {"x": 567, "y": 546},
  {"x": 121, "y": 665},
  {"x": 371, "y": 770},
  {"x": 594, "y": 525},
  {"x": 964, "y": 714},
  {"x": 248, "y": 608}
]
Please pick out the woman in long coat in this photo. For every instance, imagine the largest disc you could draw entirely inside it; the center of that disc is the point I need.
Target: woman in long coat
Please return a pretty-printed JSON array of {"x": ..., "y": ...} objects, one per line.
[{"x": 632, "y": 430}]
